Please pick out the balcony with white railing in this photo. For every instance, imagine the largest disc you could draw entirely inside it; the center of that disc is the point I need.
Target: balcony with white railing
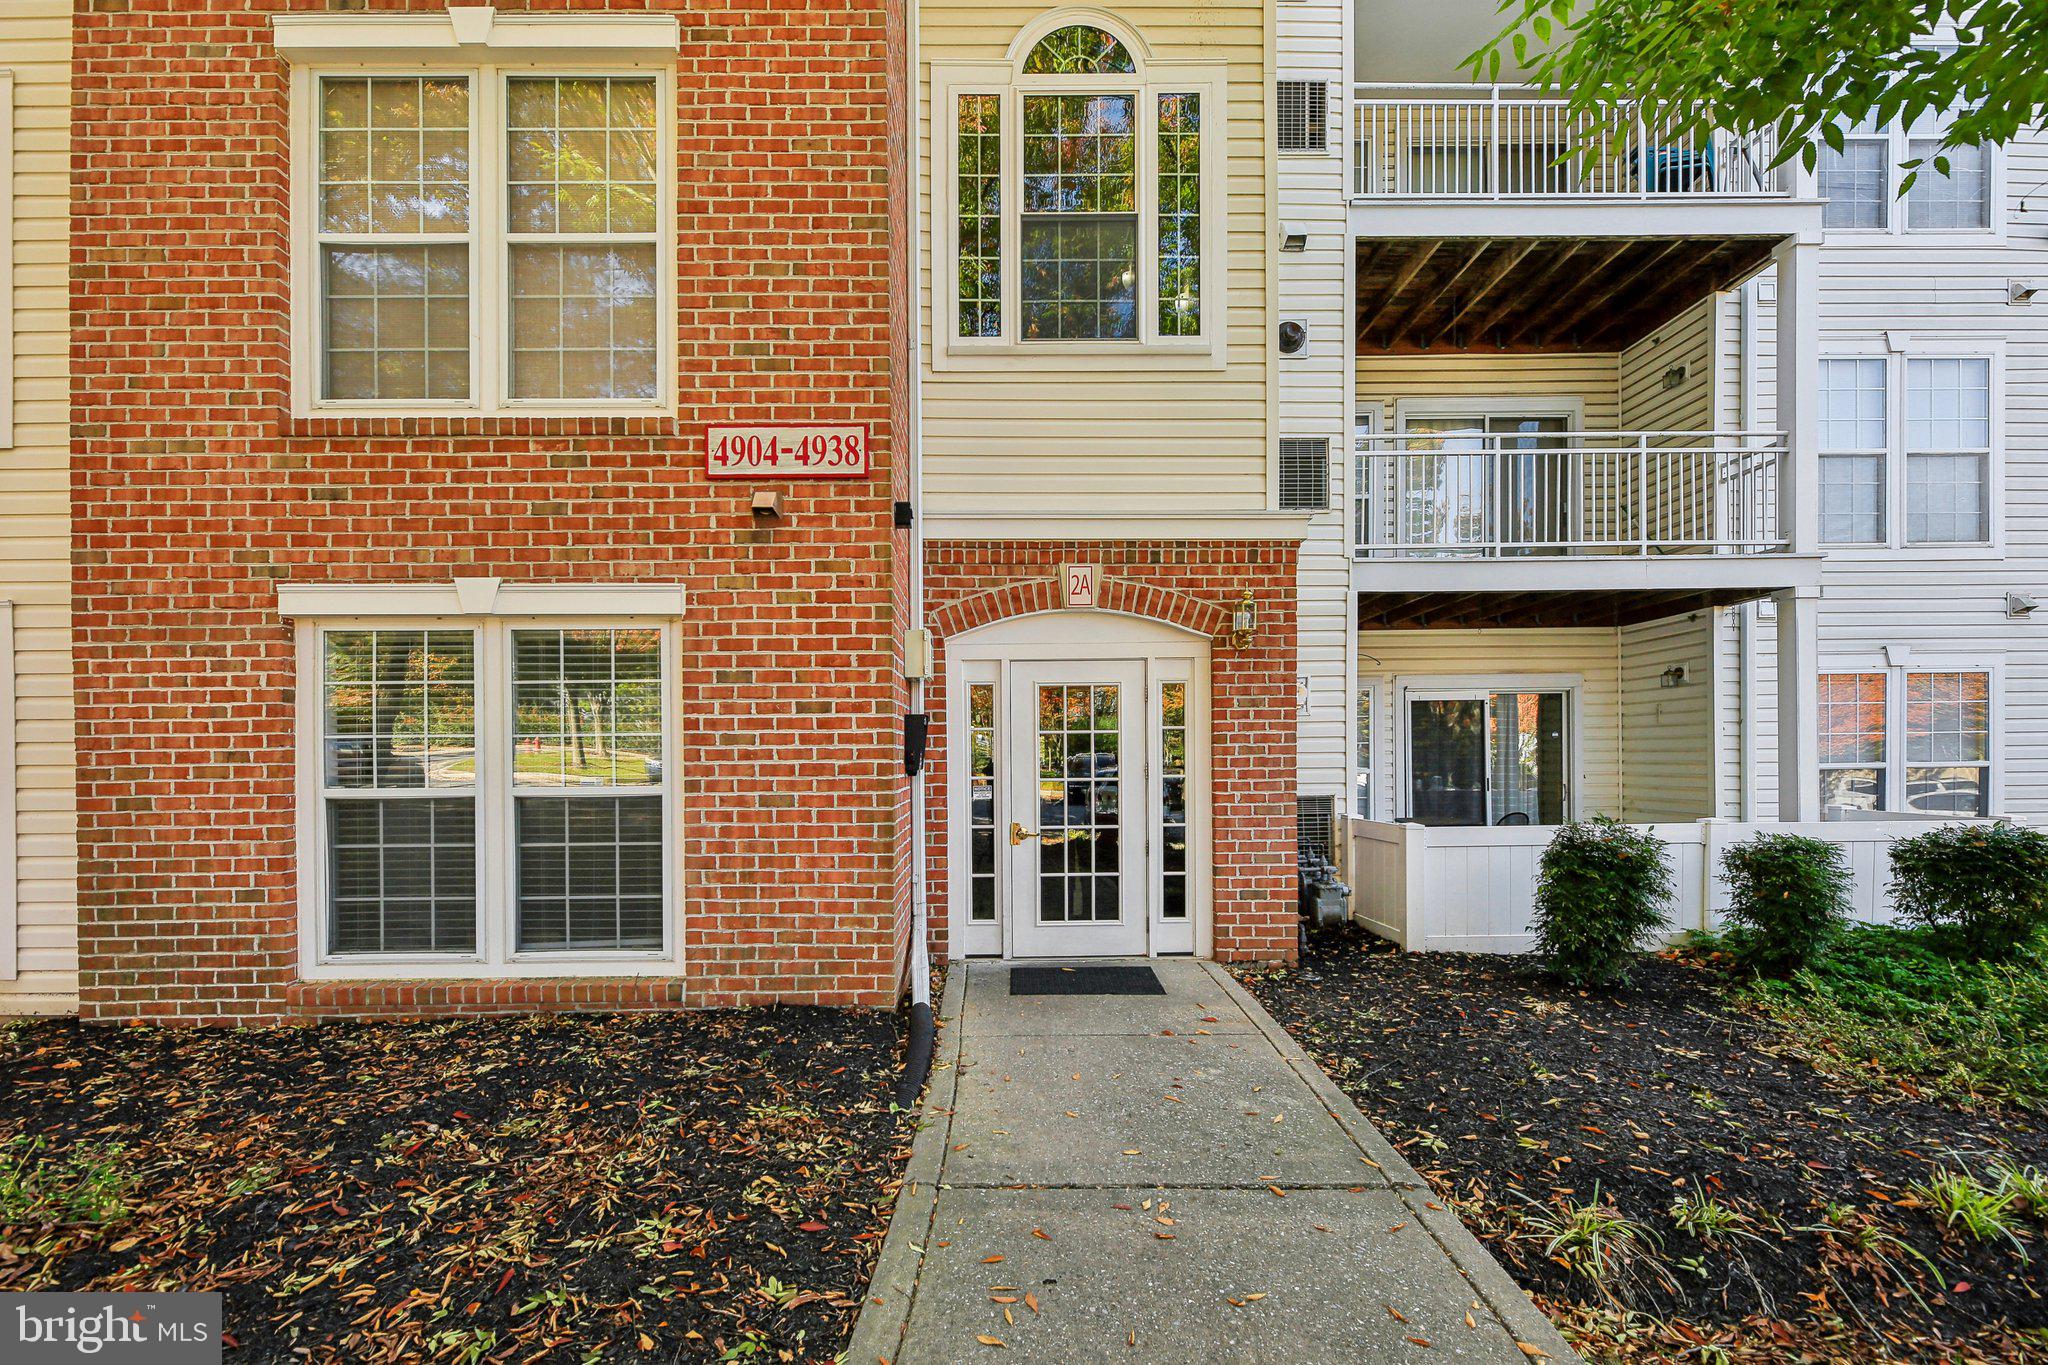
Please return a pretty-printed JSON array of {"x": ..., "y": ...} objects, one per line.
[
  {"x": 1638, "y": 494},
  {"x": 1517, "y": 143}
]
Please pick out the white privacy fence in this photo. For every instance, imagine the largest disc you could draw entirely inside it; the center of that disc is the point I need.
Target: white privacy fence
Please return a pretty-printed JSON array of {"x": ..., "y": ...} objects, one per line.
[
  {"x": 1474, "y": 890},
  {"x": 1508, "y": 142},
  {"x": 1569, "y": 492}
]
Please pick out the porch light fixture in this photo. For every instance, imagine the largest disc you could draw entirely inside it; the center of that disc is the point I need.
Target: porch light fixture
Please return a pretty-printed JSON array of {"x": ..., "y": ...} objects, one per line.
[
  {"x": 1244, "y": 619},
  {"x": 1673, "y": 676}
]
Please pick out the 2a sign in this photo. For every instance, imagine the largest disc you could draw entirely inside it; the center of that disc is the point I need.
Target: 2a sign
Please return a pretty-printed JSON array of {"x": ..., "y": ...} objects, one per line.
[
  {"x": 787, "y": 450},
  {"x": 1078, "y": 582}
]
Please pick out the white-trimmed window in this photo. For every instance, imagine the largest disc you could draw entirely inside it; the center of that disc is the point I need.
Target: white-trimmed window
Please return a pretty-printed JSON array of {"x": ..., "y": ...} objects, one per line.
[
  {"x": 1079, "y": 199},
  {"x": 1915, "y": 740},
  {"x": 487, "y": 793},
  {"x": 1909, "y": 448},
  {"x": 487, "y": 239},
  {"x": 1861, "y": 183}
]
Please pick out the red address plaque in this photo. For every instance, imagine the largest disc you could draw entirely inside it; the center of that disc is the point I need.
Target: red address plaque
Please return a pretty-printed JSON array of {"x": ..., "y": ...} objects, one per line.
[{"x": 787, "y": 450}]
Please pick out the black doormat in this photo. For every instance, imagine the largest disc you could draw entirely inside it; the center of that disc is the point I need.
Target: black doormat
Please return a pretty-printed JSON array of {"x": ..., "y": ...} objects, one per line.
[{"x": 1114, "y": 980}]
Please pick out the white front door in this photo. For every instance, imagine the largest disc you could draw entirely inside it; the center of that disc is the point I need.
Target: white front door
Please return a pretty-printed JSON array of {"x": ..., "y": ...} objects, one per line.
[{"x": 1079, "y": 862}]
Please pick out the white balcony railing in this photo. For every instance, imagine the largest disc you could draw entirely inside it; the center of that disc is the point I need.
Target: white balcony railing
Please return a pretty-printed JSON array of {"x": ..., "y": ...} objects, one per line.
[
  {"x": 1508, "y": 142},
  {"x": 1467, "y": 495}
]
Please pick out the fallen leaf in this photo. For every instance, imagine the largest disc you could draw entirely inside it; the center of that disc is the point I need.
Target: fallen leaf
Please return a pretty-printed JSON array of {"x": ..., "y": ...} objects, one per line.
[
  {"x": 989, "y": 1341},
  {"x": 1031, "y": 1302},
  {"x": 1533, "y": 1352},
  {"x": 1420, "y": 1341},
  {"x": 990, "y": 1260},
  {"x": 1041, "y": 1234},
  {"x": 1395, "y": 1313}
]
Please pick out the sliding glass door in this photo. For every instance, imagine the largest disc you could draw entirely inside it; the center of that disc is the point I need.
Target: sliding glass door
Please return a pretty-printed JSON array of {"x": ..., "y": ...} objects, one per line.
[
  {"x": 1483, "y": 485},
  {"x": 1489, "y": 758}
]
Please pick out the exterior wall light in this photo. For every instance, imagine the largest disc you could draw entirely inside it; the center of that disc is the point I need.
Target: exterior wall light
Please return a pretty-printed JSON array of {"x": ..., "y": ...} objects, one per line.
[
  {"x": 1673, "y": 676},
  {"x": 1244, "y": 619}
]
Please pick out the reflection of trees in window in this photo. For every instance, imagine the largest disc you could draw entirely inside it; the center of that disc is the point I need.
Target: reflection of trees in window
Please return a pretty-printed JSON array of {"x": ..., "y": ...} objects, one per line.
[
  {"x": 1180, "y": 215},
  {"x": 1078, "y": 50}
]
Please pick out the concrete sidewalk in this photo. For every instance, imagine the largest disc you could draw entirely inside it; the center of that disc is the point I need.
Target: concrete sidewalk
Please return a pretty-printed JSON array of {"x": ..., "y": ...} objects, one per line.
[{"x": 1166, "y": 1178}]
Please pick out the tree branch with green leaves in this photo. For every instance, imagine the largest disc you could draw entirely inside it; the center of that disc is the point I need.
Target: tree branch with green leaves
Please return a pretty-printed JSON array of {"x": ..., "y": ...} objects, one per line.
[{"x": 1806, "y": 69}]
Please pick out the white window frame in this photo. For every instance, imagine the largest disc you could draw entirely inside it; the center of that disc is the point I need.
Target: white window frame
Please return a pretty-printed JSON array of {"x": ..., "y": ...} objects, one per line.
[
  {"x": 490, "y": 241},
  {"x": 1896, "y": 349},
  {"x": 1882, "y": 454},
  {"x": 1467, "y": 686},
  {"x": 1897, "y": 663},
  {"x": 1006, "y": 80},
  {"x": 1896, "y": 231},
  {"x": 492, "y": 614}
]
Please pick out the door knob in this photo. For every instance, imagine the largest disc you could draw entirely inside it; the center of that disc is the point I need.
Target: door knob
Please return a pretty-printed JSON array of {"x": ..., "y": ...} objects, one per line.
[{"x": 1018, "y": 834}]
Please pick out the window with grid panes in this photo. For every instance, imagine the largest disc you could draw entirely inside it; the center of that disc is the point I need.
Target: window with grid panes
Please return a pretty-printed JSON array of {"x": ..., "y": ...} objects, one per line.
[
  {"x": 561, "y": 803},
  {"x": 1853, "y": 711},
  {"x": 1948, "y": 743},
  {"x": 1948, "y": 450},
  {"x": 488, "y": 241},
  {"x": 1103, "y": 181},
  {"x": 1854, "y": 447}
]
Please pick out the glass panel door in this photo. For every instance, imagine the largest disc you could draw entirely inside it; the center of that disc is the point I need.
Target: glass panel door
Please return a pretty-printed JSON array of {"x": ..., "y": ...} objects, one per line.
[
  {"x": 1489, "y": 758},
  {"x": 1528, "y": 759},
  {"x": 1447, "y": 761},
  {"x": 1077, "y": 841},
  {"x": 1080, "y": 797}
]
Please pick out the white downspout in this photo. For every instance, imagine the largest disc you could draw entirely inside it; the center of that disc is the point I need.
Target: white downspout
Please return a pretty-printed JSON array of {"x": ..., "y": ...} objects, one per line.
[
  {"x": 920, "y": 930},
  {"x": 1745, "y": 617}
]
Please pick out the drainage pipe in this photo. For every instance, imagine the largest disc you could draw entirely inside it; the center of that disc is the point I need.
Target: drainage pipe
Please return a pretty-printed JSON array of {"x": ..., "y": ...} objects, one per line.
[{"x": 917, "y": 1052}]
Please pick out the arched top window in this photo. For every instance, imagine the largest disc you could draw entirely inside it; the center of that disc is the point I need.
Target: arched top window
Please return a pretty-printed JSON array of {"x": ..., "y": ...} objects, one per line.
[
  {"x": 1079, "y": 50},
  {"x": 1078, "y": 214}
]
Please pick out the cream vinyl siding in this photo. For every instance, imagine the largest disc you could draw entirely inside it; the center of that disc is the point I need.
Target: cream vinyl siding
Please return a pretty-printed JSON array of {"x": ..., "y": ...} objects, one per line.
[
  {"x": 1668, "y": 733},
  {"x": 1646, "y": 403},
  {"x": 1948, "y": 607},
  {"x": 1315, "y": 287},
  {"x": 1595, "y": 380},
  {"x": 35, "y": 573},
  {"x": 1591, "y": 654},
  {"x": 1143, "y": 434}
]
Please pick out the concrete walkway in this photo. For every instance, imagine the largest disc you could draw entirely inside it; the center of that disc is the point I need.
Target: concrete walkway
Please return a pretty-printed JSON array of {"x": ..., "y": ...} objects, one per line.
[{"x": 1166, "y": 1178}]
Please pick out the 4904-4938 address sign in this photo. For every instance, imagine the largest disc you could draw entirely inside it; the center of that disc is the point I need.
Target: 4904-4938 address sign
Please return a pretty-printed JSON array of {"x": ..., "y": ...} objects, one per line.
[{"x": 777, "y": 450}]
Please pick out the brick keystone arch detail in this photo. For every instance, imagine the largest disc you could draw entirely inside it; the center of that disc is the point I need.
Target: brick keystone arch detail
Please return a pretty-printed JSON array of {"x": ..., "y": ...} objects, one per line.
[{"x": 1120, "y": 595}]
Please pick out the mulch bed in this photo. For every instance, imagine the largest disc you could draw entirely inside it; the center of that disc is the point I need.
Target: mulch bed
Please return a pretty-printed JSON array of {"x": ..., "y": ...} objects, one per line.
[
  {"x": 1510, "y": 1094},
  {"x": 689, "y": 1186}
]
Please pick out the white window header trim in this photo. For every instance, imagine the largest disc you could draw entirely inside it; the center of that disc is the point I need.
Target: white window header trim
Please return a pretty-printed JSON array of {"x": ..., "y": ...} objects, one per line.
[
  {"x": 477, "y": 597},
  {"x": 470, "y": 33}
]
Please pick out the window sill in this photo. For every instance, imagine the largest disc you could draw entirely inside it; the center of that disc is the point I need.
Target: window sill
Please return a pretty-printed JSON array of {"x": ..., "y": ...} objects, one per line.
[
  {"x": 1094, "y": 356},
  {"x": 476, "y": 969},
  {"x": 372, "y": 425},
  {"x": 1891, "y": 554}
]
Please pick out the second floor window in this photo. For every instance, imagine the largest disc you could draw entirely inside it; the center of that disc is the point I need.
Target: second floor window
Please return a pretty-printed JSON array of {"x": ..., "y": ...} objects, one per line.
[
  {"x": 1861, "y": 183},
  {"x": 487, "y": 241},
  {"x": 1907, "y": 450},
  {"x": 1079, "y": 200}
]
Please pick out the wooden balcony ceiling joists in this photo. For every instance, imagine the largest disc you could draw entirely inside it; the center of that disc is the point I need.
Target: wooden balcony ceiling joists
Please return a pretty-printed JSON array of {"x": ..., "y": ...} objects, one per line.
[
  {"x": 1538, "y": 294},
  {"x": 1507, "y": 609}
]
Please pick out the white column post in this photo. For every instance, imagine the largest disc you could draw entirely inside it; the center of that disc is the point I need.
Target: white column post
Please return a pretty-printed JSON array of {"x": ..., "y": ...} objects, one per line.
[
  {"x": 1799, "y": 393},
  {"x": 1799, "y": 704}
]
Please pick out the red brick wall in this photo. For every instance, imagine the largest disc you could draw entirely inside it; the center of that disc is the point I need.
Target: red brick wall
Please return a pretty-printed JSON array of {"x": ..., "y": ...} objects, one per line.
[
  {"x": 195, "y": 494},
  {"x": 1193, "y": 584}
]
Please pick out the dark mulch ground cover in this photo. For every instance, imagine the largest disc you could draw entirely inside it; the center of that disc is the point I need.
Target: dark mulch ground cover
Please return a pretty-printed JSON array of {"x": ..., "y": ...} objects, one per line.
[
  {"x": 690, "y": 1186},
  {"x": 1518, "y": 1100}
]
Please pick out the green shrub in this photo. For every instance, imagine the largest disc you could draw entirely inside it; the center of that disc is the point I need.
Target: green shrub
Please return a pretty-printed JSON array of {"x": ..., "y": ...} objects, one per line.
[
  {"x": 1890, "y": 1001},
  {"x": 1790, "y": 895},
  {"x": 1985, "y": 885},
  {"x": 1600, "y": 893}
]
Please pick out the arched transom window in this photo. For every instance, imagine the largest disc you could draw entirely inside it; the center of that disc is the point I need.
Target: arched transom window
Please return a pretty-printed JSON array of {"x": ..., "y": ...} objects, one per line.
[{"x": 1077, "y": 200}]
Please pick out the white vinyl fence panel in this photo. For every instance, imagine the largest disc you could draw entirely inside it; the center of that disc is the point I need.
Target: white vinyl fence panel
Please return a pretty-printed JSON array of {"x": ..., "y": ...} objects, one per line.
[{"x": 1474, "y": 890}]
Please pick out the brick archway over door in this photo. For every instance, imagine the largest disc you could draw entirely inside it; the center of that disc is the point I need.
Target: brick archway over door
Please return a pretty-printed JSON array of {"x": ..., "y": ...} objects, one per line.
[{"x": 1192, "y": 585}]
